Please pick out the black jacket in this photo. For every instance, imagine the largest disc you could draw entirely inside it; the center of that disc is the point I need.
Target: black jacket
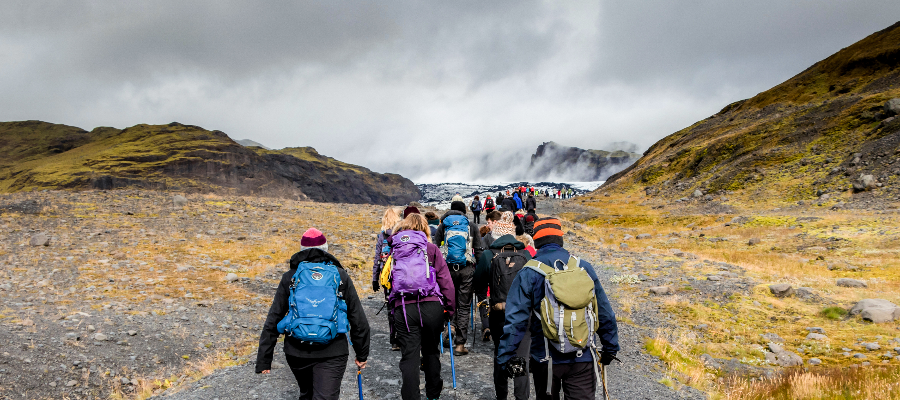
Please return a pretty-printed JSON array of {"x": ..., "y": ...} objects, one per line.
[
  {"x": 474, "y": 234},
  {"x": 359, "y": 326},
  {"x": 481, "y": 280},
  {"x": 508, "y": 204},
  {"x": 530, "y": 203}
]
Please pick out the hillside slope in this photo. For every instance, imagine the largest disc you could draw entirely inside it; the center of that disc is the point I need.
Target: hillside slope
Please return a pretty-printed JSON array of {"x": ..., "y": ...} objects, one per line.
[
  {"x": 818, "y": 132},
  {"x": 40, "y": 155}
]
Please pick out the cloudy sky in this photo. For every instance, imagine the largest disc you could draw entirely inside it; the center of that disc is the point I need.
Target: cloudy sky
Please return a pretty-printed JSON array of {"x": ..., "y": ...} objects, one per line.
[{"x": 432, "y": 90}]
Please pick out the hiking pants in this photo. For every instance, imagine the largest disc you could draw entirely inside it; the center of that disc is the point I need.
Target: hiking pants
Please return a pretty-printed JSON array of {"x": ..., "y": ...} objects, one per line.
[
  {"x": 477, "y": 216},
  {"x": 462, "y": 281},
  {"x": 425, "y": 321},
  {"x": 485, "y": 320},
  {"x": 318, "y": 378},
  {"x": 576, "y": 380},
  {"x": 501, "y": 381}
]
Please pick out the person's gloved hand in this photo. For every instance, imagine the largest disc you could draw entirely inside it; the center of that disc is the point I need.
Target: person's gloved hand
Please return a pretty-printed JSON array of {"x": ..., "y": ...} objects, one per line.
[
  {"x": 447, "y": 316},
  {"x": 606, "y": 358},
  {"x": 515, "y": 367},
  {"x": 375, "y": 286}
]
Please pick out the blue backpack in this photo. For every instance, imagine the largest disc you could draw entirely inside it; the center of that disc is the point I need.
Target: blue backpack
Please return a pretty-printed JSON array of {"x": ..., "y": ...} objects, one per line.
[
  {"x": 317, "y": 310},
  {"x": 457, "y": 246}
]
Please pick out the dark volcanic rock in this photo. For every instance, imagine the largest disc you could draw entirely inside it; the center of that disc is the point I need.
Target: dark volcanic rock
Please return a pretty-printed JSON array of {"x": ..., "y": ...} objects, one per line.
[{"x": 552, "y": 160}]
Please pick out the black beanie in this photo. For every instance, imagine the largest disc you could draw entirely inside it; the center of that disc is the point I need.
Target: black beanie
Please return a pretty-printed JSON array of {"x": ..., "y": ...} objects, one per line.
[
  {"x": 547, "y": 230},
  {"x": 458, "y": 206},
  {"x": 520, "y": 228}
]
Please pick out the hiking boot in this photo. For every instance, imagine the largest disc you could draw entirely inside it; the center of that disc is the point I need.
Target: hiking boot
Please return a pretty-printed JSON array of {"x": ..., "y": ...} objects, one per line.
[
  {"x": 395, "y": 347},
  {"x": 460, "y": 350},
  {"x": 486, "y": 335}
]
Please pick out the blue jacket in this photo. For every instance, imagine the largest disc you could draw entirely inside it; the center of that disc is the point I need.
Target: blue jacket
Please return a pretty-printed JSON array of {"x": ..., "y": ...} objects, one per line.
[
  {"x": 518, "y": 201},
  {"x": 525, "y": 296}
]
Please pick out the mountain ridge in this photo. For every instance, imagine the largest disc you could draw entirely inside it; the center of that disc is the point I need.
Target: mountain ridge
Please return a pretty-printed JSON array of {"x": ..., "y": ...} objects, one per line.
[{"x": 41, "y": 155}]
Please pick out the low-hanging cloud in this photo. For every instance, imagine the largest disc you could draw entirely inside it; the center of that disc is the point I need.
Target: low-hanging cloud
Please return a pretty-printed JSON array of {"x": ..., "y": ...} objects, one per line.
[{"x": 434, "y": 91}]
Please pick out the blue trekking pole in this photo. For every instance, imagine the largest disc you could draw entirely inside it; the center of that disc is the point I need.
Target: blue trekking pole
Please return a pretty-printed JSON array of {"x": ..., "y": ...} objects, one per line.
[
  {"x": 452, "y": 362},
  {"x": 359, "y": 382},
  {"x": 472, "y": 316}
]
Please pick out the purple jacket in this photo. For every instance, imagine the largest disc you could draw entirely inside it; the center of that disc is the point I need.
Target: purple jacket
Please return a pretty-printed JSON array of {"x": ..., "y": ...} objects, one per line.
[{"x": 444, "y": 281}]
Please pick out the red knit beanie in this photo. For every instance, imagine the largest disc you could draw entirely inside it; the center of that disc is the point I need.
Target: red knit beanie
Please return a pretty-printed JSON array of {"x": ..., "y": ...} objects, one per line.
[{"x": 313, "y": 239}]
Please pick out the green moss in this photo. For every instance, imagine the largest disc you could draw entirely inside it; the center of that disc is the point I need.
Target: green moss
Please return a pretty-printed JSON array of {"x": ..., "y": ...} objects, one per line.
[{"x": 834, "y": 313}]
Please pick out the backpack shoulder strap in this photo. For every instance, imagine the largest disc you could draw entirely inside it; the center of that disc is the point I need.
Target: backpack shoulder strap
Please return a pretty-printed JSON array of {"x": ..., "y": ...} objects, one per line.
[
  {"x": 538, "y": 267},
  {"x": 574, "y": 263}
]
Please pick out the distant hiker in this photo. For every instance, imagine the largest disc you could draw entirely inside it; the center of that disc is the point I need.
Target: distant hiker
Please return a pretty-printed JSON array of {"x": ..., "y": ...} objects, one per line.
[
  {"x": 315, "y": 346},
  {"x": 571, "y": 193},
  {"x": 491, "y": 218},
  {"x": 461, "y": 245},
  {"x": 565, "y": 362},
  {"x": 528, "y": 222},
  {"x": 410, "y": 210},
  {"x": 530, "y": 203},
  {"x": 489, "y": 204},
  {"x": 422, "y": 299},
  {"x": 500, "y": 198},
  {"x": 508, "y": 204},
  {"x": 476, "y": 208},
  {"x": 433, "y": 221},
  {"x": 389, "y": 220},
  {"x": 528, "y": 242},
  {"x": 518, "y": 201},
  {"x": 496, "y": 270},
  {"x": 456, "y": 197}
]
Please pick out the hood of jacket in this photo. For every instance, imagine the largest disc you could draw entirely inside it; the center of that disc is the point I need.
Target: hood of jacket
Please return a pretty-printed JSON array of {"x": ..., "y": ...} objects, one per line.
[
  {"x": 452, "y": 212},
  {"x": 507, "y": 240},
  {"x": 313, "y": 255}
]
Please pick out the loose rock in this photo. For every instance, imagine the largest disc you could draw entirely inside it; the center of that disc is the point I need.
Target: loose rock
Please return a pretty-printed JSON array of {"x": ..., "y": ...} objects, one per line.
[
  {"x": 662, "y": 290},
  {"x": 851, "y": 283},
  {"x": 39, "y": 240},
  {"x": 179, "y": 200},
  {"x": 781, "y": 289}
]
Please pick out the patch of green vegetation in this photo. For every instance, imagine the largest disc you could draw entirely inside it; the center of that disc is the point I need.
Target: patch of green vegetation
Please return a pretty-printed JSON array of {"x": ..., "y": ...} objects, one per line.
[
  {"x": 834, "y": 313},
  {"x": 769, "y": 221}
]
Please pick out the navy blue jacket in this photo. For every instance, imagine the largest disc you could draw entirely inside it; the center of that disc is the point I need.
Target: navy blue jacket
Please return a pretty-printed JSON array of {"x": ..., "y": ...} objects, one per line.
[{"x": 525, "y": 296}]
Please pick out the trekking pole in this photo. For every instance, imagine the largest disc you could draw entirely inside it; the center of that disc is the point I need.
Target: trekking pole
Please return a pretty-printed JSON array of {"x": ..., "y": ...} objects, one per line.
[
  {"x": 359, "y": 382},
  {"x": 472, "y": 315},
  {"x": 452, "y": 362},
  {"x": 603, "y": 377}
]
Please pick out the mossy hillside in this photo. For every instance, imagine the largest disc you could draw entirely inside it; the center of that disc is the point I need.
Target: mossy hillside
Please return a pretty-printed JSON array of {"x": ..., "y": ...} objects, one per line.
[
  {"x": 787, "y": 140},
  {"x": 186, "y": 158}
]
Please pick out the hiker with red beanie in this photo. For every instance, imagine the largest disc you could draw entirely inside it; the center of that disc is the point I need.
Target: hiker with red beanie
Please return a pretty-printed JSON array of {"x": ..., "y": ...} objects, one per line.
[
  {"x": 317, "y": 358},
  {"x": 422, "y": 298}
]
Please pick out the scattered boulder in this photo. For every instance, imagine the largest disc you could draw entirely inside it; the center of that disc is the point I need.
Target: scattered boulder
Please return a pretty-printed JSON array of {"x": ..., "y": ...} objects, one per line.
[
  {"x": 816, "y": 329},
  {"x": 788, "y": 359},
  {"x": 775, "y": 348},
  {"x": 662, "y": 290},
  {"x": 754, "y": 241},
  {"x": 804, "y": 293},
  {"x": 644, "y": 236},
  {"x": 876, "y": 310},
  {"x": 892, "y": 107},
  {"x": 179, "y": 200},
  {"x": 772, "y": 337},
  {"x": 231, "y": 277},
  {"x": 864, "y": 182},
  {"x": 816, "y": 336},
  {"x": 39, "y": 239},
  {"x": 851, "y": 283},
  {"x": 814, "y": 361},
  {"x": 100, "y": 337},
  {"x": 871, "y": 346},
  {"x": 697, "y": 194},
  {"x": 710, "y": 362},
  {"x": 781, "y": 289},
  {"x": 627, "y": 237},
  {"x": 714, "y": 278}
]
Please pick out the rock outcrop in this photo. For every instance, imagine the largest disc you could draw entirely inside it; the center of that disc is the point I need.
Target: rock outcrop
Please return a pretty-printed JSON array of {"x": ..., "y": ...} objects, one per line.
[{"x": 552, "y": 161}]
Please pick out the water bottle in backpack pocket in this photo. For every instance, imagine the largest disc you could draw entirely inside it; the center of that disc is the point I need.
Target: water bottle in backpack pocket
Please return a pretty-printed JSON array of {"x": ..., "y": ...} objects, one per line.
[
  {"x": 457, "y": 246},
  {"x": 317, "y": 311}
]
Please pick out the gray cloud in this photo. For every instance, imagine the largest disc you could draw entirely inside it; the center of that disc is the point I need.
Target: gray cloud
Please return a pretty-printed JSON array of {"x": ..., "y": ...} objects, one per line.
[{"x": 441, "y": 91}]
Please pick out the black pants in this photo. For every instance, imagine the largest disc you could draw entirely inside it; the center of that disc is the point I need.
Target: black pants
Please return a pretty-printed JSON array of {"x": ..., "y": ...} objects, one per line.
[
  {"x": 462, "y": 281},
  {"x": 501, "y": 384},
  {"x": 318, "y": 378},
  {"x": 483, "y": 310},
  {"x": 577, "y": 380},
  {"x": 415, "y": 335},
  {"x": 477, "y": 216}
]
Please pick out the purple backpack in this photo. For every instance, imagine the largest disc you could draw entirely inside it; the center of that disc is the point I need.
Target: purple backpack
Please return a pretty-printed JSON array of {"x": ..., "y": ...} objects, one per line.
[{"x": 411, "y": 275}]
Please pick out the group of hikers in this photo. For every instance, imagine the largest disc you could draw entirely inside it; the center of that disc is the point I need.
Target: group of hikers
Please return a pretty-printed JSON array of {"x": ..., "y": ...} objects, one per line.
[{"x": 542, "y": 307}]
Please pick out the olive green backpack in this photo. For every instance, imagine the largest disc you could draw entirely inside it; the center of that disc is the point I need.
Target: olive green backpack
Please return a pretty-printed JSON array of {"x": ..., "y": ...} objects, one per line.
[{"x": 568, "y": 312}]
